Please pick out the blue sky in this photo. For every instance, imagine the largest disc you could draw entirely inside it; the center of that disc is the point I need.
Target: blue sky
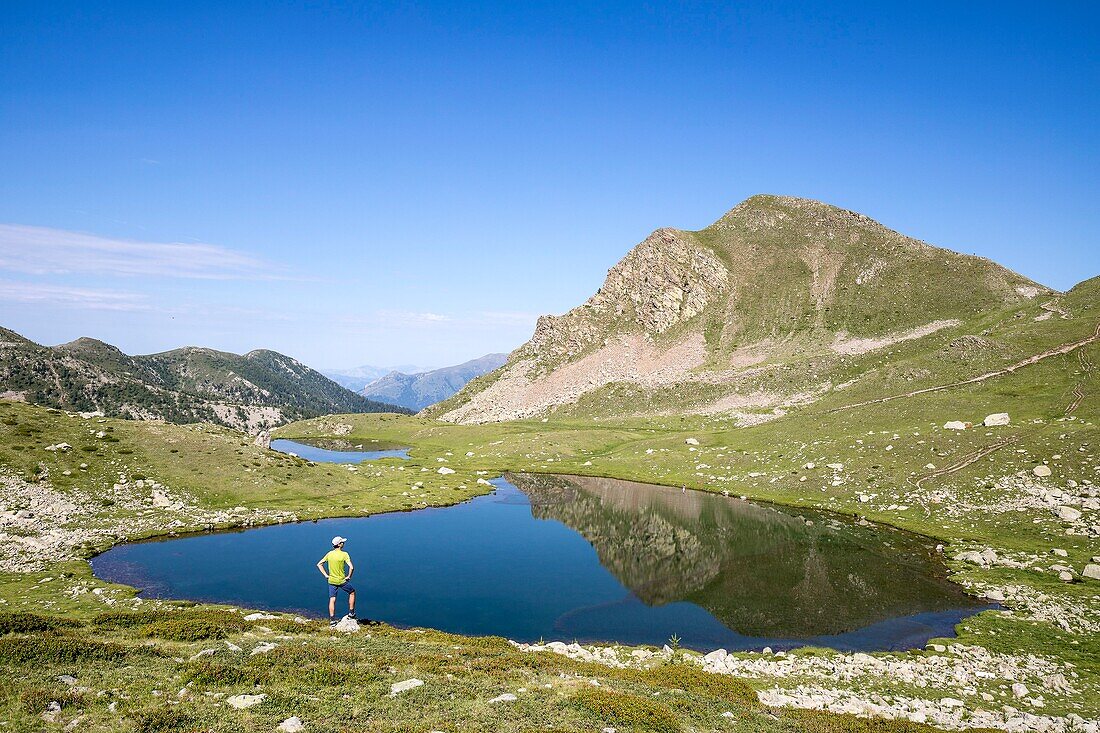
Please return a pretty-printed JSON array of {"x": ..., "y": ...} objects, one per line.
[{"x": 416, "y": 182}]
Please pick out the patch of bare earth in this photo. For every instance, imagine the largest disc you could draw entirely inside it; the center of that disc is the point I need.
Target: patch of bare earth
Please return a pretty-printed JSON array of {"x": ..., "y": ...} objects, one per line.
[{"x": 843, "y": 344}]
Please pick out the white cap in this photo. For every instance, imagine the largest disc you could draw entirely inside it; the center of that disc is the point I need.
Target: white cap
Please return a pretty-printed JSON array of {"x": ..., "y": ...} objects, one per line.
[{"x": 338, "y": 539}]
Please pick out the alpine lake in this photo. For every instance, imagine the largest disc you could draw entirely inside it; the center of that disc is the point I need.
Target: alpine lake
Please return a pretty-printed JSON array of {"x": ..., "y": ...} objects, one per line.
[{"x": 584, "y": 559}]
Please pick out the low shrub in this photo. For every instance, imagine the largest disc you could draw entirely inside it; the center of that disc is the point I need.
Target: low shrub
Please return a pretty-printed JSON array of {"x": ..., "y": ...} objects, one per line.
[
  {"x": 164, "y": 720},
  {"x": 187, "y": 629},
  {"x": 630, "y": 712},
  {"x": 28, "y": 623},
  {"x": 125, "y": 619},
  {"x": 696, "y": 682},
  {"x": 58, "y": 649},
  {"x": 35, "y": 699},
  {"x": 211, "y": 672}
]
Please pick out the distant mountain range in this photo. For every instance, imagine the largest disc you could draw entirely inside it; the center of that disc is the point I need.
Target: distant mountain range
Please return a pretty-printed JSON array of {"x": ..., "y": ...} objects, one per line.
[
  {"x": 417, "y": 391},
  {"x": 359, "y": 377},
  {"x": 253, "y": 392}
]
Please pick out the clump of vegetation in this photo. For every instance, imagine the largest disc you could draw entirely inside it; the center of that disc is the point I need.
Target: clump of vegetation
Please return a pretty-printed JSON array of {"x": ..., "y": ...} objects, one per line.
[
  {"x": 35, "y": 699},
  {"x": 682, "y": 677},
  {"x": 211, "y": 672},
  {"x": 195, "y": 626},
  {"x": 59, "y": 649},
  {"x": 164, "y": 720},
  {"x": 125, "y": 619},
  {"x": 623, "y": 710},
  {"x": 29, "y": 623}
]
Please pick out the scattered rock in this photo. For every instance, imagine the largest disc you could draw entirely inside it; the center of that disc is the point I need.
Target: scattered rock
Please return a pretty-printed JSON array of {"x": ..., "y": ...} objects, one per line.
[
  {"x": 1059, "y": 552},
  {"x": 240, "y": 702},
  {"x": 997, "y": 418},
  {"x": 443, "y": 470},
  {"x": 263, "y": 648},
  {"x": 1020, "y": 690},
  {"x": 66, "y": 679},
  {"x": 1066, "y": 513},
  {"x": 506, "y": 697},
  {"x": 347, "y": 625},
  {"x": 1091, "y": 571},
  {"x": 1065, "y": 576},
  {"x": 260, "y": 617},
  {"x": 692, "y": 441},
  {"x": 1041, "y": 471},
  {"x": 292, "y": 725},
  {"x": 398, "y": 687},
  {"x": 955, "y": 425}
]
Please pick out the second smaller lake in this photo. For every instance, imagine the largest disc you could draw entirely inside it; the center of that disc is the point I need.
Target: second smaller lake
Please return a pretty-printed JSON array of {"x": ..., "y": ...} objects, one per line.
[{"x": 338, "y": 451}]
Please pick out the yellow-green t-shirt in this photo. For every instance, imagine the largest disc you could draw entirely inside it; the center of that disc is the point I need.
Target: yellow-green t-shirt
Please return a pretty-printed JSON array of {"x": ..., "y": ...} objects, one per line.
[{"x": 337, "y": 560}]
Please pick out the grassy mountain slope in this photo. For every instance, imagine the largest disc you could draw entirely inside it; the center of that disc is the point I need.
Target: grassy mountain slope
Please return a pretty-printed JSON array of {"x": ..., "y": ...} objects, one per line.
[
  {"x": 776, "y": 283},
  {"x": 417, "y": 391},
  {"x": 256, "y": 391}
]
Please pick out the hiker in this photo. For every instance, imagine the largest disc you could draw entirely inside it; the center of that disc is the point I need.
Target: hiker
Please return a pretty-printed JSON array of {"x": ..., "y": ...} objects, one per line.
[{"x": 337, "y": 578}]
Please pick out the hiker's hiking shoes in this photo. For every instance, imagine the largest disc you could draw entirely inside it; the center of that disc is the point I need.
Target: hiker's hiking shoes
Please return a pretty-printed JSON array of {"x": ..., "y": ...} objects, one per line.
[{"x": 332, "y": 624}]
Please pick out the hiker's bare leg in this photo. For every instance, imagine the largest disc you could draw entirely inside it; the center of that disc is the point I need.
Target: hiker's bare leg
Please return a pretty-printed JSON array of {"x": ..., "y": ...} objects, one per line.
[
  {"x": 332, "y": 607},
  {"x": 351, "y": 602}
]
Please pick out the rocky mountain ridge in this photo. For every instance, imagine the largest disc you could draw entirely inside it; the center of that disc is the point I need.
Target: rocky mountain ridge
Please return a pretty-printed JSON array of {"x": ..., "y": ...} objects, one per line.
[
  {"x": 775, "y": 282},
  {"x": 253, "y": 392}
]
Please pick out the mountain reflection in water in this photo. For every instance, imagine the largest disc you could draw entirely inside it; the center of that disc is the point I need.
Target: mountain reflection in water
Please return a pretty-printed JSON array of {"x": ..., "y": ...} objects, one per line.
[{"x": 761, "y": 570}]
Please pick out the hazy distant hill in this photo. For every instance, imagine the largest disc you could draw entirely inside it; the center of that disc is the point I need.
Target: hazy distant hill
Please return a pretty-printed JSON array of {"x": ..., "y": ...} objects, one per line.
[
  {"x": 417, "y": 391},
  {"x": 359, "y": 377},
  {"x": 778, "y": 302},
  {"x": 258, "y": 390}
]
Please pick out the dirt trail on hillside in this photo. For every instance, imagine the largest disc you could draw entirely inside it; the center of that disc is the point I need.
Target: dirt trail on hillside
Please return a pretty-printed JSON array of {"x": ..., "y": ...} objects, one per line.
[{"x": 1058, "y": 350}]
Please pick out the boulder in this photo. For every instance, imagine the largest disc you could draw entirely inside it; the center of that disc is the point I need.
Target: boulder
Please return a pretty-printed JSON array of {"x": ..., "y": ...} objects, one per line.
[
  {"x": 347, "y": 625},
  {"x": 240, "y": 702},
  {"x": 398, "y": 687},
  {"x": 972, "y": 557},
  {"x": 1091, "y": 571},
  {"x": 1067, "y": 513},
  {"x": 1020, "y": 690},
  {"x": 260, "y": 617},
  {"x": 954, "y": 425},
  {"x": 292, "y": 725},
  {"x": 997, "y": 418},
  {"x": 262, "y": 648},
  {"x": 1041, "y": 471}
]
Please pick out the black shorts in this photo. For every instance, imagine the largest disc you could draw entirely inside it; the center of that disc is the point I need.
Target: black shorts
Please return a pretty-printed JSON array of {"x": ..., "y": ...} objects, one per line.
[{"x": 334, "y": 589}]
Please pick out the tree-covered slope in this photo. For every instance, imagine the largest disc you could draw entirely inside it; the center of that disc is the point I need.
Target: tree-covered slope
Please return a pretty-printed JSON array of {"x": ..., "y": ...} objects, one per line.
[{"x": 256, "y": 391}]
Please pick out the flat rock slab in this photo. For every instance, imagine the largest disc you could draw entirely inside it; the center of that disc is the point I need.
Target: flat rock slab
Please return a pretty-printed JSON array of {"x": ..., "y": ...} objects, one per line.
[
  {"x": 398, "y": 687},
  {"x": 240, "y": 702}
]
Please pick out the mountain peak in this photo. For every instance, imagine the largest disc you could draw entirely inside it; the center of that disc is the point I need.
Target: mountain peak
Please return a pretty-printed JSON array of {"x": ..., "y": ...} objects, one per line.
[{"x": 775, "y": 279}]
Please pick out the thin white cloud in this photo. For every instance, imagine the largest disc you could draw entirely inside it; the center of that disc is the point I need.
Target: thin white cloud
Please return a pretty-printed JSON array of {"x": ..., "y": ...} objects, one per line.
[
  {"x": 69, "y": 297},
  {"x": 45, "y": 251},
  {"x": 507, "y": 318}
]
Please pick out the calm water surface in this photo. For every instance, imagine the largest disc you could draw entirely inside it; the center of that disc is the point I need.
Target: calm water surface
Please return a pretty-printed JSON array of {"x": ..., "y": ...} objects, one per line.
[
  {"x": 589, "y": 559},
  {"x": 336, "y": 451}
]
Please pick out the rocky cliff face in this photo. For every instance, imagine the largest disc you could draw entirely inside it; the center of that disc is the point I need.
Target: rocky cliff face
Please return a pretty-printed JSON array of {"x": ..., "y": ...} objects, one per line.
[{"x": 687, "y": 319}]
